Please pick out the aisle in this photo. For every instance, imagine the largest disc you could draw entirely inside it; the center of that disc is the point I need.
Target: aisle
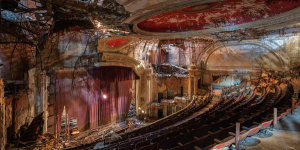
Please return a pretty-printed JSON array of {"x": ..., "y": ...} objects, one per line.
[{"x": 286, "y": 137}]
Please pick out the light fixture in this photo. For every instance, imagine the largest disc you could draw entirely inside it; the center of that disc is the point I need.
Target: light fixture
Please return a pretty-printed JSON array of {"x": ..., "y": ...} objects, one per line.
[
  {"x": 99, "y": 24},
  {"x": 104, "y": 96}
]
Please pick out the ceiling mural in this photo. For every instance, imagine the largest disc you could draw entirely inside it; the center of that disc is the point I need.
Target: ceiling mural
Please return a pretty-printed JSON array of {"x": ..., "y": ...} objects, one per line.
[{"x": 216, "y": 14}]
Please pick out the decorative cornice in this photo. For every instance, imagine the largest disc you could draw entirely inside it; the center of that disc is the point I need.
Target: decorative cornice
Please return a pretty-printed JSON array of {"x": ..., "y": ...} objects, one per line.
[{"x": 114, "y": 59}]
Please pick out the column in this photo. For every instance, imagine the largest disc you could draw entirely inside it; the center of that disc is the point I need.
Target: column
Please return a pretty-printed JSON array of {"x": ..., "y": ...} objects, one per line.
[
  {"x": 142, "y": 96},
  {"x": 32, "y": 92},
  {"x": 51, "y": 107},
  {"x": 196, "y": 85},
  {"x": 2, "y": 117},
  {"x": 148, "y": 93},
  {"x": 154, "y": 109},
  {"x": 173, "y": 108},
  {"x": 44, "y": 99},
  {"x": 165, "y": 108},
  {"x": 191, "y": 88},
  {"x": 138, "y": 97}
]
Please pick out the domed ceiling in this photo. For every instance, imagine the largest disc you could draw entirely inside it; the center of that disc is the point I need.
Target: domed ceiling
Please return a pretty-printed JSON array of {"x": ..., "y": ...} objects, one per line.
[{"x": 216, "y": 14}]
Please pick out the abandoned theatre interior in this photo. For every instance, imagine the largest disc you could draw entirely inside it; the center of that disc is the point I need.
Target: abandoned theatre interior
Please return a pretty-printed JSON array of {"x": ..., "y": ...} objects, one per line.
[{"x": 150, "y": 74}]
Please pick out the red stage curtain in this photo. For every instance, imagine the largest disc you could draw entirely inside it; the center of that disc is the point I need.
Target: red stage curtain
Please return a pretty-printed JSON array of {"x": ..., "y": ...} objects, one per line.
[
  {"x": 114, "y": 83},
  {"x": 83, "y": 95},
  {"x": 72, "y": 92}
]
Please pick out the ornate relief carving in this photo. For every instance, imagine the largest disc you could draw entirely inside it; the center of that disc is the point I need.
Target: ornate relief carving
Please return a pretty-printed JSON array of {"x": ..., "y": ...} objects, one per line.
[
  {"x": 114, "y": 59},
  {"x": 115, "y": 44}
]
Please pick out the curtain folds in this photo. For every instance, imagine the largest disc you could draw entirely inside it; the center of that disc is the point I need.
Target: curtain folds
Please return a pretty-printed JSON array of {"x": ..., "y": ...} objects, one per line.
[{"x": 100, "y": 97}]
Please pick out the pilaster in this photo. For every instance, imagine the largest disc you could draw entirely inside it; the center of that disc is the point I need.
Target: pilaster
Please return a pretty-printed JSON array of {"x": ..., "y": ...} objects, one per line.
[
  {"x": 44, "y": 99},
  {"x": 191, "y": 85},
  {"x": 32, "y": 92},
  {"x": 144, "y": 94},
  {"x": 148, "y": 89}
]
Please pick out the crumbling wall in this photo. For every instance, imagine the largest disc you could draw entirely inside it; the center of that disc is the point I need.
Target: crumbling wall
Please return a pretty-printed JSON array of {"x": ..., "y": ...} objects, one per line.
[
  {"x": 15, "y": 60},
  {"x": 171, "y": 85},
  {"x": 9, "y": 116},
  {"x": 51, "y": 105},
  {"x": 73, "y": 45},
  {"x": 32, "y": 91},
  {"x": 22, "y": 107}
]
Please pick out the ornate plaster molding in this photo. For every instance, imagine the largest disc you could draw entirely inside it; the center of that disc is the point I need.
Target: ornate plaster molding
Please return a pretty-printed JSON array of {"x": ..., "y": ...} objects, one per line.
[
  {"x": 284, "y": 19},
  {"x": 115, "y": 59},
  {"x": 123, "y": 48}
]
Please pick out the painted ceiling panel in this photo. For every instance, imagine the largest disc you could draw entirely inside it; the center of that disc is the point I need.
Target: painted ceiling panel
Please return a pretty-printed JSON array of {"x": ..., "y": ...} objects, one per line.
[
  {"x": 216, "y": 14},
  {"x": 116, "y": 42}
]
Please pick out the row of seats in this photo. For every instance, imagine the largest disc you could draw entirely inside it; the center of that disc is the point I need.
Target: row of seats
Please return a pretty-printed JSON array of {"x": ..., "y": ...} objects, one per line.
[
  {"x": 159, "y": 137},
  {"x": 143, "y": 133},
  {"x": 222, "y": 127},
  {"x": 204, "y": 130},
  {"x": 193, "y": 128}
]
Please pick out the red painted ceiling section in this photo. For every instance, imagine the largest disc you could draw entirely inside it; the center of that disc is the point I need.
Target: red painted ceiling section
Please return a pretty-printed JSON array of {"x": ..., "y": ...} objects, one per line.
[
  {"x": 116, "y": 42},
  {"x": 212, "y": 15}
]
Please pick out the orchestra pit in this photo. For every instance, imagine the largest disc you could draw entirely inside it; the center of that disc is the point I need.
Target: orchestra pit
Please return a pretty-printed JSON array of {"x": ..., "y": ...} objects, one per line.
[{"x": 149, "y": 74}]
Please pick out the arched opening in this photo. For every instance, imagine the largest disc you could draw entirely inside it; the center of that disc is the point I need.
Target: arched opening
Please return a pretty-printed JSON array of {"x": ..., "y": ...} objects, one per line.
[{"x": 242, "y": 57}]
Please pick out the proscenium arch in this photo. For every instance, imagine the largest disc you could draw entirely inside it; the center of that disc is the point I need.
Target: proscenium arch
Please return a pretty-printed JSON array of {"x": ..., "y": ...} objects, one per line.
[
  {"x": 221, "y": 45},
  {"x": 115, "y": 59}
]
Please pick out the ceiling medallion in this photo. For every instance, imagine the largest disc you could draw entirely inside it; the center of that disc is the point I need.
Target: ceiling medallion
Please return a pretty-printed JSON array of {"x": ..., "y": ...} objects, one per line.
[{"x": 202, "y": 7}]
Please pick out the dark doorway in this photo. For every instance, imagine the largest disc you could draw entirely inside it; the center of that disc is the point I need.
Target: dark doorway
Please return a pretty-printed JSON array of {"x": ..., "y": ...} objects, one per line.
[
  {"x": 160, "y": 113},
  {"x": 160, "y": 97},
  {"x": 181, "y": 91},
  {"x": 199, "y": 83}
]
